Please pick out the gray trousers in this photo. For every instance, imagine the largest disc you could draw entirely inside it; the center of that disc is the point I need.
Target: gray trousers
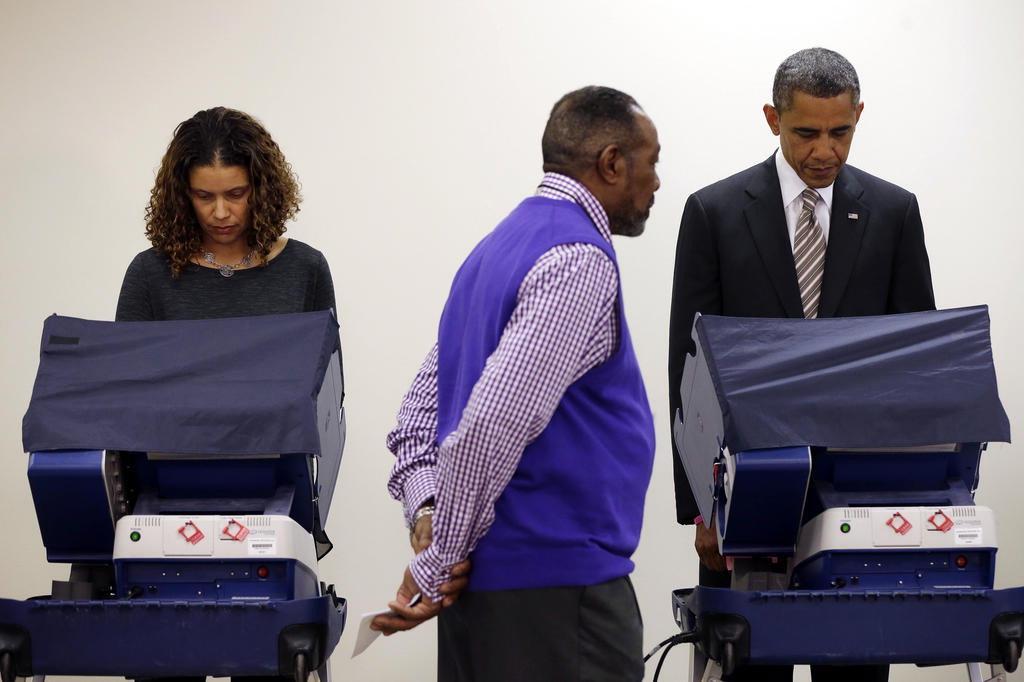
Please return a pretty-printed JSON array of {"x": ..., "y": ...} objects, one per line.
[{"x": 563, "y": 634}]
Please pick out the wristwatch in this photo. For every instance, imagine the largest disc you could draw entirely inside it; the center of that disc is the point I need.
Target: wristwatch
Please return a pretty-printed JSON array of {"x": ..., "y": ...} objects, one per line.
[{"x": 425, "y": 510}]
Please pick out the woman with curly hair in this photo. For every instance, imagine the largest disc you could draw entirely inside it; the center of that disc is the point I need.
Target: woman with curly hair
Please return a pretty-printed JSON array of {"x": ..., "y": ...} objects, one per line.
[{"x": 216, "y": 219}]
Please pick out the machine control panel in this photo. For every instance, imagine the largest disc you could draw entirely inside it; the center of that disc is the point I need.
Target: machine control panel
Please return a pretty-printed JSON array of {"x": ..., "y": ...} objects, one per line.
[
  {"x": 219, "y": 537},
  {"x": 238, "y": 558},
  {"x": 872, "y": 548},
  {"x": 862, "y": 528}
]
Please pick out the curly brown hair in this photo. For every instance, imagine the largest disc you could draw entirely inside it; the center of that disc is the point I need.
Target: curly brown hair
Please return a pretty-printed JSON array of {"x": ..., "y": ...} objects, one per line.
[{"x": 229, "y": 138}]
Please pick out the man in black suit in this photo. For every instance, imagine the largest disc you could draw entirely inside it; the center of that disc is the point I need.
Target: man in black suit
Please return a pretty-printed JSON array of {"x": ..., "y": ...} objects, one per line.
[{"x": 799, "y": 235}]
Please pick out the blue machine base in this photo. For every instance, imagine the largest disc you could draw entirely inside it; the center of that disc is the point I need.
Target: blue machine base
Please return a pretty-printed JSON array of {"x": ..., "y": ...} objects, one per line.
[
  {"x": 138, "y": 638},
  {"x": 935, "y": 627}
]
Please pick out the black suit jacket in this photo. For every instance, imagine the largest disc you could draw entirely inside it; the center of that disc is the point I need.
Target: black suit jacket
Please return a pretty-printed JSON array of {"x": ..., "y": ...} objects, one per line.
[{"x": 734, "y": 258}]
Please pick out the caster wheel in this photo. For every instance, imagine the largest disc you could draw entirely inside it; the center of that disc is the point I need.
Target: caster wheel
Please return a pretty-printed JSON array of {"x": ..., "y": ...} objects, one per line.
[
  {"x": 301, "y": 668},
  {"x": 1011, "y": 655},
  {"x": 728, "y": 658},
  {"x": 7, "y": 666}
]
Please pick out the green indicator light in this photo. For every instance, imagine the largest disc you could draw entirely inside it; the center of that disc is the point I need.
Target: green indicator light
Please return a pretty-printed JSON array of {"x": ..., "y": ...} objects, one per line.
[
  {"x": 135, "y": 536},
  {"x": 845, "y": 527}
]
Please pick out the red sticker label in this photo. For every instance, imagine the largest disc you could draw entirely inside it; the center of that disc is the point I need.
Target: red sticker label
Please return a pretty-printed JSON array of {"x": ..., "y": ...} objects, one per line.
[
  {"x": 899, "y": 524},
  {"x": 235, "y": 531},
  {"x": 191, "y": 533}
]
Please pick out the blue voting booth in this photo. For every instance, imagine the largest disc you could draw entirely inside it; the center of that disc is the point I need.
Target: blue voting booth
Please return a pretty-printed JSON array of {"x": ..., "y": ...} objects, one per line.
[
  {"x": 839, "y": 460},
  {"x": 185, "y": 471}
]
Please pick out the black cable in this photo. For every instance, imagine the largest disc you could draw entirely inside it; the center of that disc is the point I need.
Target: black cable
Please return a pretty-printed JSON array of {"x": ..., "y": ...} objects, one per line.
[
  {"x": 661, "y": 661},
  {"x": 658, "y": 648},
  {"x": 681, "y": 638}
]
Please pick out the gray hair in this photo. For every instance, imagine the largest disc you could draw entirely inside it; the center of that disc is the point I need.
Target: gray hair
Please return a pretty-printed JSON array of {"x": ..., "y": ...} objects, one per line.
[
  {"x": 584, "y": 122},
  {"x": 816, "y": 71}
]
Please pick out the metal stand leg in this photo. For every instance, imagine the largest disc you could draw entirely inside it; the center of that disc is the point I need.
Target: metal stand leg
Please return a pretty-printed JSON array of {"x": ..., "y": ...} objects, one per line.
[
  {"x": 702, "y": 669},
  {"x": 975, "y": 673},
  {"x": 712, "y": 673},
  {"x": 697, "y": 664},
  {"x": 323, "y": 673}
]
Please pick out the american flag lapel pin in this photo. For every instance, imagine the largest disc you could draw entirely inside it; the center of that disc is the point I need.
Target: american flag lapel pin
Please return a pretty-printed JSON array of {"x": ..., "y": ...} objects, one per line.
[{"x": 852, "y": 216}]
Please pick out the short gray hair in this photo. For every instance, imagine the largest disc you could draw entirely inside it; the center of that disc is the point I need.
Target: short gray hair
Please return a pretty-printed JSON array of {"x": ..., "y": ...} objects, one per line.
[
  {"x": 585, "y": 121},
  {"x": 816, "y": 71}
]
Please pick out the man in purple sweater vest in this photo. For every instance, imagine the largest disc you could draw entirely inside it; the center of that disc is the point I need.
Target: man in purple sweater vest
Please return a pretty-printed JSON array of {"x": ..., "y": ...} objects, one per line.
[{"x": 525, "y": 443}]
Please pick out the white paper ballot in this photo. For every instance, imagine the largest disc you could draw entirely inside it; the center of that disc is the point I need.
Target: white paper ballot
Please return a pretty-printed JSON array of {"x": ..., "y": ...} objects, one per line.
[{"x": 365, "y": 636}]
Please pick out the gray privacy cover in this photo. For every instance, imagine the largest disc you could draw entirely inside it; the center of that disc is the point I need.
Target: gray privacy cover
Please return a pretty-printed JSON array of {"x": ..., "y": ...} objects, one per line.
[
  {"x": 888, "y": 381},
  {"x": 244, "y": 385}
]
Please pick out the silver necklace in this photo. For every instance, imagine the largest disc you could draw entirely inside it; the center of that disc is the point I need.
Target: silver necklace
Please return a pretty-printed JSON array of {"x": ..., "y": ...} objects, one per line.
[{"x": 224, "y": 269}]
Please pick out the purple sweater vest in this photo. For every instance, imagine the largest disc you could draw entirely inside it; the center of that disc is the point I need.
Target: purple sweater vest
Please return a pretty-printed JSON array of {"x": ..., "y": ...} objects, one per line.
[{"x": 571, "y": 514}]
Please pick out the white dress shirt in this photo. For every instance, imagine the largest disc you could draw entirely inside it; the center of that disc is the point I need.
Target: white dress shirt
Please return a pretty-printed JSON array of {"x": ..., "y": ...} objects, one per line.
[{"x": 792, "y": 187}]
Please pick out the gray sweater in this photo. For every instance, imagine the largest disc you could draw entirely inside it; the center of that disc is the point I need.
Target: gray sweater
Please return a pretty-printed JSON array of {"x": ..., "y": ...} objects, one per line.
[{"x": 297, "y": 280}]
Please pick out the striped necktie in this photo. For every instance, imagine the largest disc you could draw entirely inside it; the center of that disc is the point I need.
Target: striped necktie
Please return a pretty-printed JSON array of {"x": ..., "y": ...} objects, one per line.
[{"x": 809, "y": 255}]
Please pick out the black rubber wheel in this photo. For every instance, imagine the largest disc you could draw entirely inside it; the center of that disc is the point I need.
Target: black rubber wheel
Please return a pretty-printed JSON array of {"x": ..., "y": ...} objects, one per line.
[
  {"x": 301, "y": 667},
  {"x": 1011, "y": 655},
  {"x": 7, "y": 666},
  {"x": 728, "y": 658}
]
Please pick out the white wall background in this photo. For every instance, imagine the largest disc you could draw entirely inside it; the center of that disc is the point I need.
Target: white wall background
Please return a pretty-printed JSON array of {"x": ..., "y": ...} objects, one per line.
[{"x": 414, "y": 127}]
